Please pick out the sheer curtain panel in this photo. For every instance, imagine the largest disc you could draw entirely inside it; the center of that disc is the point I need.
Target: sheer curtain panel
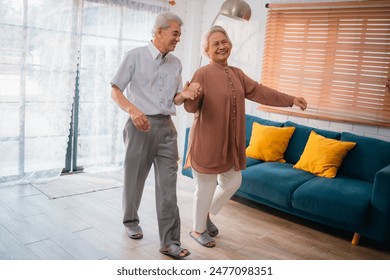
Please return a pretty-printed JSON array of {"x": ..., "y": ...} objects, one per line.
[
  {"x": 57, "y": 58},
  {"x": 38, "y": 47},
  {"x": 109, "y": 30}
]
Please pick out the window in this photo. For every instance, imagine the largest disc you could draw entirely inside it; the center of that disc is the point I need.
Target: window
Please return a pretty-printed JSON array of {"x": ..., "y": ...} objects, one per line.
[
  {"x": 108, "y": 31},
  {"x": 57, "y": 58},
  {"x": 37, "y": 72},
  {"x": 336, "y": 55}
]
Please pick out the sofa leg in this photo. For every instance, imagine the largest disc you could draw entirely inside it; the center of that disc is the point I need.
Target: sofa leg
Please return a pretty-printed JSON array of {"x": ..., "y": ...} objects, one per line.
[{"x": 355, "y": 238}]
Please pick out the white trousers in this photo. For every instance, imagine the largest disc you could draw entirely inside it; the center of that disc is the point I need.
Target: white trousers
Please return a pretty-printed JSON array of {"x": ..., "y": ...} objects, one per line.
[{"x": 212, "y": 192}]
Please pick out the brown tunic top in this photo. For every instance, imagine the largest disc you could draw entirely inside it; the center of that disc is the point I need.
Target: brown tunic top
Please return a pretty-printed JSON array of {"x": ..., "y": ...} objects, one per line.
[{"x": 217, "y": 136}]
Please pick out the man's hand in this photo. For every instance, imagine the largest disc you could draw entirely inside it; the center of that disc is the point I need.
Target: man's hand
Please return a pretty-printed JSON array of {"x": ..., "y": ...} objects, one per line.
[
  {"x": 196, "y": 89},
  {"x": 140, "y": 121},
  {"x": 300, "y": 102},
  {"x": 191, "y": 91}
]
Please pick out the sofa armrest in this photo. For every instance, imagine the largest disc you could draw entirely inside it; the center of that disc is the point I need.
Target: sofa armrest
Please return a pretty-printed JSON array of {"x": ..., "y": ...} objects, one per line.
[
  {"x": 380, "y": 202},
  {"x": 187, "y": 171},
  {"x": 381, "y": 189}
]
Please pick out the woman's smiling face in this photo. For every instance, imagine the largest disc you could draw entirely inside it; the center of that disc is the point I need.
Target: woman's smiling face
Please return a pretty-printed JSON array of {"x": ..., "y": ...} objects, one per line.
[{"x": 218, "y": 48}]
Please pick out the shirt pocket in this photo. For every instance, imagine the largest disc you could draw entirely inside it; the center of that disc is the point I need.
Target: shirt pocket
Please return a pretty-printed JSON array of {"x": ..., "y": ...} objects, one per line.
[{"x": 171, "y": 82}]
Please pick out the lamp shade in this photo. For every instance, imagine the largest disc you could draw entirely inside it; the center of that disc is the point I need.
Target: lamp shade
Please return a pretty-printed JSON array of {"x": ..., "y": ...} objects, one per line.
[{"x": 237, "y": 9}]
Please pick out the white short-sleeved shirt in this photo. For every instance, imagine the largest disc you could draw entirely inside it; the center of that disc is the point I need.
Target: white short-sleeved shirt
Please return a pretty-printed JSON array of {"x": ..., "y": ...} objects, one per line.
[{"x": 150, "y": 81}]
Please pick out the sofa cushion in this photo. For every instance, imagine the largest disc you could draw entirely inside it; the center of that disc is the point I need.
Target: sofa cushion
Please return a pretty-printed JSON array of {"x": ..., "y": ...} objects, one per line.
[
  {"x": 299, "y": 138},
  {"x": 323, "y": 156},
  {"x": 368, "y": 157},
  {"x": 268, "y": 143},
  {"x": 341, "y": 199},
  {"x": 273, "y": 181},
  {"x": 249, "y": 120},
  {"x": 252, "y": 161}
]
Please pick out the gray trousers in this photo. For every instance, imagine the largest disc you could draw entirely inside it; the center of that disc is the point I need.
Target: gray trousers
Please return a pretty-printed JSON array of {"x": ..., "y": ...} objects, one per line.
[{"x": 158, "y": 146}]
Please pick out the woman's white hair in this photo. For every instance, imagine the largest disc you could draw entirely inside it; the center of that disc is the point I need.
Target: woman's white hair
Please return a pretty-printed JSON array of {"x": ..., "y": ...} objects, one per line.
[
  {"x": 204, "y": 43},
  {"x": 163, "y": 21}
]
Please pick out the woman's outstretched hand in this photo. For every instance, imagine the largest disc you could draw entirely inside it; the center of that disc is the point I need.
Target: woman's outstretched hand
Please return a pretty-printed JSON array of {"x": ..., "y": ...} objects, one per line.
[{"x": 300, "y": 102}]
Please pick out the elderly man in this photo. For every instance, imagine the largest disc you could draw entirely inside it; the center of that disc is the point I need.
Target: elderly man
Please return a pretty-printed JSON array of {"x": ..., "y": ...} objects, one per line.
[{"x": 152, "y": 77}]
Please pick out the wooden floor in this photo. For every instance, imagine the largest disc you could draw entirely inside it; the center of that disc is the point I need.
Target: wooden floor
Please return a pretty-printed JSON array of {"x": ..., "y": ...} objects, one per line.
[{"x": 89, "y": 226}]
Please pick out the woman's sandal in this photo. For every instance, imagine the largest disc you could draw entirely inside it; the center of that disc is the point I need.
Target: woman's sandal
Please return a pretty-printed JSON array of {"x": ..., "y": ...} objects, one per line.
[
  {"x": 174, "y": 251},
  {"x": 211, "y": 228},
  {"x": 203, "y": 239}
]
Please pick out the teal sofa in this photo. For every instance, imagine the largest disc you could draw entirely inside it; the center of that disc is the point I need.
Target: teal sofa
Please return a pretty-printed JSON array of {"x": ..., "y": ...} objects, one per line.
[{"x": 356, "y": 200}]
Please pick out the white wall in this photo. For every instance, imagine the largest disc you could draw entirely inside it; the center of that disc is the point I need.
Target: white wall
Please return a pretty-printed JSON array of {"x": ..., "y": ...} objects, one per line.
[{"x": 247, "y": 53}]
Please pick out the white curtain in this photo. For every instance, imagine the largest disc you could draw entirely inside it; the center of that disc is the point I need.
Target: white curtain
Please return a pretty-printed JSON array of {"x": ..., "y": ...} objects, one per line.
[
  {"x": 45, "y": 47},
  {"x": 108, "y": 31},
  {"x": 38, "y": 44}
]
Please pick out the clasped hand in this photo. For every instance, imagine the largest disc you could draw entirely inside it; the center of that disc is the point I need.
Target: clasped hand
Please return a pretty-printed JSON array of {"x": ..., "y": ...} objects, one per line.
[{"x": 191, "y": 91}]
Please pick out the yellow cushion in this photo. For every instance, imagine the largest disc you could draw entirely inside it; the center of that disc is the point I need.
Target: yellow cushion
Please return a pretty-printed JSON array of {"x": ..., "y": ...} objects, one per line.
[
  {"x": 323, "y": 156},
  {"x": 268, "y": 143}
]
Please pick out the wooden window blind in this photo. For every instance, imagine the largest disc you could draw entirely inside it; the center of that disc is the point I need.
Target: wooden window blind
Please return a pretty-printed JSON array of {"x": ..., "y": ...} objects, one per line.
[{"x": 336, "y": 55}]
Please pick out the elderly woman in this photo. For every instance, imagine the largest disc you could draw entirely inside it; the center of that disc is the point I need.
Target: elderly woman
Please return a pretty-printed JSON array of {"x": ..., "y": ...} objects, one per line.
[{"x": 217, "y": 139}]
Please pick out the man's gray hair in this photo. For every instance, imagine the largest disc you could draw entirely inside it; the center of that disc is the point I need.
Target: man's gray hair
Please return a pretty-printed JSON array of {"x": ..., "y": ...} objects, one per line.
[
  {"x": 204, "y": 43},
  {"x": 163, "y": 21}
]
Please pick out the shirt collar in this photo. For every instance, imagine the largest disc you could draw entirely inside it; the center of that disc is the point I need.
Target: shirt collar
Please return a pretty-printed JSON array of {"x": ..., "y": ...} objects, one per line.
[{"x": 154, "y": 51}]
